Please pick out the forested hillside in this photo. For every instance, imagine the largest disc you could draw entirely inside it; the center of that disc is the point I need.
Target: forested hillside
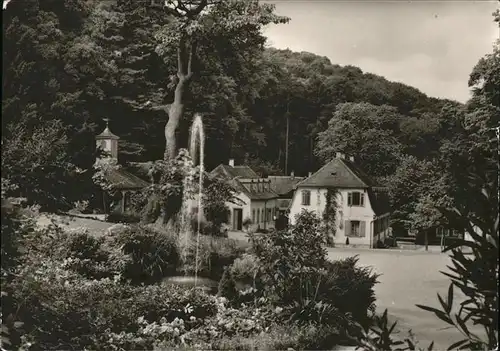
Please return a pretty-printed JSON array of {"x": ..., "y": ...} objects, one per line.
[{"x": 67, "y": 65}]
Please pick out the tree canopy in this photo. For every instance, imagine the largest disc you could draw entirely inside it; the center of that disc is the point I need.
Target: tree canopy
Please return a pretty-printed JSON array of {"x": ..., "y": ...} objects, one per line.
[{"x": 69, "y": 64}]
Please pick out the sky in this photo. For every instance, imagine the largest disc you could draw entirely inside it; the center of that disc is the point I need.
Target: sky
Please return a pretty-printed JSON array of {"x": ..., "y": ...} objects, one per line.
[{"x": 430, "y": 45}]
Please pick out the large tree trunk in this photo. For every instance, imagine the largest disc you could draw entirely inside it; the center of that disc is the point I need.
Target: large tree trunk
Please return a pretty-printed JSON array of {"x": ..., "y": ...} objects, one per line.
[
  {"x": 185, "y": 54},
  {"x": 175, "y": 113}
]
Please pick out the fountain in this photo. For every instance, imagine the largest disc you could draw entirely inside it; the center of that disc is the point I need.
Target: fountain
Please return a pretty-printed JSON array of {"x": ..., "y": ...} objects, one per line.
[
  {"x": 196, "y": 142},
  {"x": 197, "y": 133}
]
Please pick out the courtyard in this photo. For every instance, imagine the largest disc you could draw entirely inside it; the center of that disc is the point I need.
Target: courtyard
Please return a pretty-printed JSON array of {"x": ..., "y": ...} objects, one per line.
[{"x": 408, "y": 277}]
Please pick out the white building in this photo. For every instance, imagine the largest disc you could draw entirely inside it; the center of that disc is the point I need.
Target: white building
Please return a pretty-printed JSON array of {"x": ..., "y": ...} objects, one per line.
[
  {"x": 363, "y": 208},
  {"x": 258, "y": 201}
]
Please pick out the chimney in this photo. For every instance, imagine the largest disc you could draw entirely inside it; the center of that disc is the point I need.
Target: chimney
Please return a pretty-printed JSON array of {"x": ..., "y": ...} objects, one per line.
[
  {"x": 292, "y": 174},
  {"x": 231, "y": 162},
  {"x": 351, "y": 158},
  {"x": 338, "y": 155}
]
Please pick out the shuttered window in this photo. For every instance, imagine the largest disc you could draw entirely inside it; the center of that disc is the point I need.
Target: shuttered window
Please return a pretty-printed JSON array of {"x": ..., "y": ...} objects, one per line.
[
  {"x": 355, "y": 229},
  {"x": 306, "y": 197},
  {"x": 253, "y": 215},
  {"x": 258, "y": 216},
  {"x": 356, "y": 198}
]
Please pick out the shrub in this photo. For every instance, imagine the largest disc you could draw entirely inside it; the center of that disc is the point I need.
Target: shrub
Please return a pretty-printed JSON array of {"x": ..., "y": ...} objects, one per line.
[
  {"x": 84, "y": 246},
  {"x": 153, "y": 255},
  {"x": 227, "y": 286},
  {"x": 245, "y": 269},
  {"x": 476, "y": 276},
  {"x": 282, "y": 338},
  {"x": 241, "y": 282},
  {"x": 58, "y": 316},
  {"x": 350, "y": 288},
  {"x": 288, "y": 259},
  {"x": 296, "y": 274},
  {"x": 214, "y": 254}
]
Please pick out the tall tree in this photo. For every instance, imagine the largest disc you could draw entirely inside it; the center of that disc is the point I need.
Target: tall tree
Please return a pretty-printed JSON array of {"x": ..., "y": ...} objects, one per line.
[
  {"x": 234, "y": 25},
  {"x": 365, "y": 131},
  {"x": 47, "y": 92}
]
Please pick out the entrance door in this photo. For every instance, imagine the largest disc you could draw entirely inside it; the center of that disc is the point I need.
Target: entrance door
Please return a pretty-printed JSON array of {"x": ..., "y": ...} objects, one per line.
[{"x": 237, "y": 219}]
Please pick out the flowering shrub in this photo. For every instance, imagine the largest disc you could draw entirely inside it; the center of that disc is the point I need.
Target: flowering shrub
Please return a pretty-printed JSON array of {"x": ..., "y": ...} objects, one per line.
[
  {"x": 206, "y": 333},
  {"x": 289, "y": 259},
  {"x": 293, "y": 272}
]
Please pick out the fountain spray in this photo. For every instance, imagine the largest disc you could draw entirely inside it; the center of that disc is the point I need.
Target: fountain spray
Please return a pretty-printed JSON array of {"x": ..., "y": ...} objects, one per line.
[{"x": 197, "y": 133}]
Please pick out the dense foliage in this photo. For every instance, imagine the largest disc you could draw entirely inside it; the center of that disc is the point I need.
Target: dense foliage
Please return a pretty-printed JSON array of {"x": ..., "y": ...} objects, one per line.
[
  {"x": 119, "y": 60},
  {"x": 290, "y": 269},
  {"x": 68, "y": 64},
  {"x": 69, "y": 289}
]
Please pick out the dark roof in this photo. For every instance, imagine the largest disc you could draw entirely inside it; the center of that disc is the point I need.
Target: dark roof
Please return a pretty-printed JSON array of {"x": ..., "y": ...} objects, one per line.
[
  {"x": 140, "y": 169},
  {"x": 252, "y": 194},
  {"x": 282, "y": 185},
  {"x": 379, "y": 200},
  {"x": 121, "y": 179},
  {"x": 339, "y": 173},
  {"x": 235, "y": 173},
  {"x": 264, "y": 195},
  {"x": 231, "y": 172},
  {"x": 283, "y": 203}
]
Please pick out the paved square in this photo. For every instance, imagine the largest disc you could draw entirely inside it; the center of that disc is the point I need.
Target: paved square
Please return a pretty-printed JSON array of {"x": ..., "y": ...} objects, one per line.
[{"x": 409, "y": 278}]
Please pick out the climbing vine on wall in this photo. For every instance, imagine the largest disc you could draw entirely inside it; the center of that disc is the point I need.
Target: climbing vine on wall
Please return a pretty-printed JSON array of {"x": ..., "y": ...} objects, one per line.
[{"x": 330, "y": 215}]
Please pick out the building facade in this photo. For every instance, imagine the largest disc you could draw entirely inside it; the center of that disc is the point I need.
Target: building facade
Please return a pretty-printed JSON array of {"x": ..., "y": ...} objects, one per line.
[
  {"x": 123, "y": 181},
  {"x": 362, "y": 206},
  {"x": 258, "y": 202}
]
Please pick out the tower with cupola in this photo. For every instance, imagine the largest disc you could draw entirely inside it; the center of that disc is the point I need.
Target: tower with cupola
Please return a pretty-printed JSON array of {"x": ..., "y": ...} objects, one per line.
[{"x": 108, "y": 142}]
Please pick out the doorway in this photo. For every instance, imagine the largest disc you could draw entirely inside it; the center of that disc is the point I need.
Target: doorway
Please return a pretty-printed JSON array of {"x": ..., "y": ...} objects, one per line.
[{"x": 237, "y": 219}]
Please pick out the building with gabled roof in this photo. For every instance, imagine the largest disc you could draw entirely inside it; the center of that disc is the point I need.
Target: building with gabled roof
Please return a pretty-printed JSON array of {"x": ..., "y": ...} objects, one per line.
[
  {"x": 284, "y": 187},
  {"x": 122, "y": 180},
  {"x": 363, "y": 207},
  {"x": 257, "y": 199}
]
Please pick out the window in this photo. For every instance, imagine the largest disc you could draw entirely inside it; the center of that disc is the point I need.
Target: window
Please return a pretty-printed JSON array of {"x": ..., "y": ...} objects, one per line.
[
  {"x": 306, "y": 197},
  {"x": 258, "y": 216},
  {"x": 262, "y": 215},
  {"x": 253, "y": 215},
  {"x": 356, "y": 198},
  {"x": 269, "y": 215},
  {"x": 355, "y": 229}
]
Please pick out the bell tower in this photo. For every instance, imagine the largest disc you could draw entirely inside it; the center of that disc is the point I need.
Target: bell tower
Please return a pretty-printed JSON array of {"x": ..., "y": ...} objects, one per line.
[{"x": 108, "y": 142}]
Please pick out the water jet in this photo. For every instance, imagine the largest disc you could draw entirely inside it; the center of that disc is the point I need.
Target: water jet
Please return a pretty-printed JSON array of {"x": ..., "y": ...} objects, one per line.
[{"x": 196, "y": 148}]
